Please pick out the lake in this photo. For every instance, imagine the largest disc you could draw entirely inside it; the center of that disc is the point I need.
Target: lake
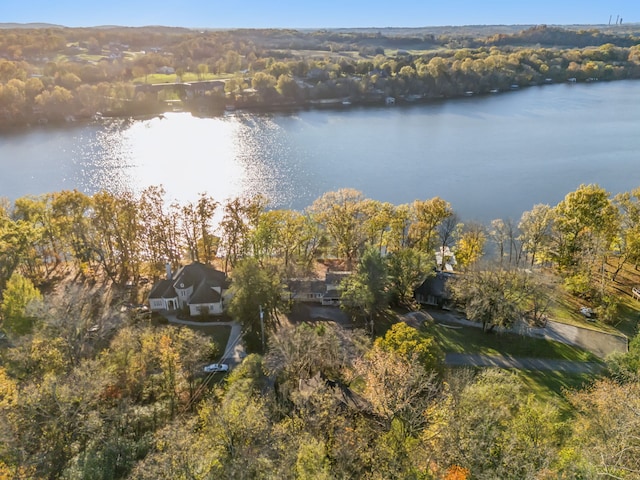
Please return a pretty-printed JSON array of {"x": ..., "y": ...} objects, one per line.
[{"x": 491, "y": 157}]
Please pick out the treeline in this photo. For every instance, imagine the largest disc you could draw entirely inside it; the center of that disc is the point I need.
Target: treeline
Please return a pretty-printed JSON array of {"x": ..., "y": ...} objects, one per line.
[
  {"x": 127, "y": 236},
  {"x": 53, "y": 74}
]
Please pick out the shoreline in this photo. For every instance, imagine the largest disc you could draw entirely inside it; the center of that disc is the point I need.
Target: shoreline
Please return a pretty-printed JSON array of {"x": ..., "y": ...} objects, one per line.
[{"x": 336, "y": 104}]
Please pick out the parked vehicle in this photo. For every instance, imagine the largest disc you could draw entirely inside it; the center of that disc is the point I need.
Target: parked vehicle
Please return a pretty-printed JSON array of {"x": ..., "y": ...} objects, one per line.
[{"x": 216, "y": 367}]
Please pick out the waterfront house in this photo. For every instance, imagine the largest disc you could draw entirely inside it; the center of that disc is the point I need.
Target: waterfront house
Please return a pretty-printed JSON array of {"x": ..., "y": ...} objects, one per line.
[
  {"x": 433, "y": 291},
  {"x": 312, "y": 290},
  {"x": 197, "y": 287}
]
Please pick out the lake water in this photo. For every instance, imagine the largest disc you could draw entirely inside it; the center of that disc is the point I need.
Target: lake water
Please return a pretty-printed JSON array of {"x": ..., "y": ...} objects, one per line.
[{"x": 490, "y": 157}]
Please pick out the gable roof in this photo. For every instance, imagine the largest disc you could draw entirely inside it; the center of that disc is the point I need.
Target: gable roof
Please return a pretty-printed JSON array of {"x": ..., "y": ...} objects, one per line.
[
  {"x": 435, "y": 285},
  {"x": 205, "y": 294},
  {"x": 194, "y": 274},
  {"x": 163, "y": 289},
  {"x": 207, "y": 284}
]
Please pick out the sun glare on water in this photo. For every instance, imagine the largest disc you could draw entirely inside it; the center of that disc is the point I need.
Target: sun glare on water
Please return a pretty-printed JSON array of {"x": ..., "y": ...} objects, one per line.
[{"x": 185, "y": 155}]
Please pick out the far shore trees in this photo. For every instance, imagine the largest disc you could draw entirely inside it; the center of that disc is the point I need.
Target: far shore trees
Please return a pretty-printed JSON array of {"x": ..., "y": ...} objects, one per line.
[{"x": 65, "y": 74}]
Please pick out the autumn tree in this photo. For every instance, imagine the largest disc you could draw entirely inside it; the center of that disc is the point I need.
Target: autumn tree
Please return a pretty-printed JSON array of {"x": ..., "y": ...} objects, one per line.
[
  {"x": 490, "y": 427},
  {"x": 18, "y": 294},
  {"x": 342, "y": 216},
  {"x": 241, "y": 217},
  {"x": 197, "y": 226},
  {"x": 412, "y": 345},
  {"x": 117, "y": 234},
  {"x": 584, "y": 224},
  {"x": 399, "y": 226},
  {"x": 535, "y": 230},
  {"x": 428, "y": 215},
  {"x": 17, "y": 239},
  {"x": 489, "y": 296},
  {"x": 627, "y": 244},
  {"x": 300, "y": 352},
  {"x": 397, "y": 388},
  {"x": 377, "y": 217},
  {"x": 603, "y": 432},
  {"x": 365, "y": 293},
  {"x": 470, "y": 244},
  {"x": 160, "y": 230},
  {"x": 37, "y": 212},
  {"x": 256, "y": 297},
  {"x": 70, "y": 213}
]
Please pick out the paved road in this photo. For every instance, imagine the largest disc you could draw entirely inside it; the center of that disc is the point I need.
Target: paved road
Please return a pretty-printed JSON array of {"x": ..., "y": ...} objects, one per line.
[
  {"x": 475, "y": 360},
  {"x": 598, "y": 343}
]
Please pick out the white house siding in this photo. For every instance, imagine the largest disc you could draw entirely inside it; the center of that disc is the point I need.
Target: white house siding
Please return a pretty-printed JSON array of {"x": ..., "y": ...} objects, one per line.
[
  {"x": 184, "y": 295},
  {"x": 156, "y": 304},
  {"x": 214, "y": 308}
]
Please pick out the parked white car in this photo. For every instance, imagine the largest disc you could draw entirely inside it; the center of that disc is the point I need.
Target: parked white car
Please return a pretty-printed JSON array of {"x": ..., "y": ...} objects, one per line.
[
  {"x": 588, "y": 313},
  {"x": 216, "y": 367}
]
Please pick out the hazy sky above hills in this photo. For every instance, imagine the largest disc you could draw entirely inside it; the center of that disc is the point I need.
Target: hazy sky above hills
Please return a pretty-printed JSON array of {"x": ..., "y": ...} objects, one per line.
[{"x": 325, "y": 13}]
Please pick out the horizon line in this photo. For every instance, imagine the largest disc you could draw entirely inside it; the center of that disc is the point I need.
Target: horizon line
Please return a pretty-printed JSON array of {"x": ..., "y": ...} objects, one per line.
[{"x": 388, "y": 27}]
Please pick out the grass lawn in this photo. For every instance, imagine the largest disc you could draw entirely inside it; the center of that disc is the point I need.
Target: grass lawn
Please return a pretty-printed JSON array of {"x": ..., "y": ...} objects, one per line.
[
  {"x": 219, "y": 333},
  {"x": 565, "y": 308},
  {"x": 474, "y": 340},
  {"x": 550, "y": 387},
  {"x": 547, "y": 386},
  {"x": 172, "y": 78}
]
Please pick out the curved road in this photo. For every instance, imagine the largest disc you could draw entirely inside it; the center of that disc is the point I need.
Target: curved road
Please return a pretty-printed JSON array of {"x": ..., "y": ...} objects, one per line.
[
  {"x": 599, "y": 343},
  {"x": 596, "y": 342}
]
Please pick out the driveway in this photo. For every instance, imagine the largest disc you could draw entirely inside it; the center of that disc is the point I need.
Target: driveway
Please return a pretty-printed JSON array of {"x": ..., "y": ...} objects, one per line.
[
  {"x": 599, "y": 343},
  {"x": 500, "y": 361},
  {"x": 234, "y": 352}
]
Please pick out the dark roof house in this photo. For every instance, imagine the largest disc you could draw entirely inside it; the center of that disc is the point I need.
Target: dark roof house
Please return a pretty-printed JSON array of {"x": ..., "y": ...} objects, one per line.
[
  {"x": 197, "y": 286},
  {"x": 433, "y": 291}
]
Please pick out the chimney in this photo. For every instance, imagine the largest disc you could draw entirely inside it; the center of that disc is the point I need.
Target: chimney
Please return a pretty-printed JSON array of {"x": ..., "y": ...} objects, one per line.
[{"x": 168, "y": 266}]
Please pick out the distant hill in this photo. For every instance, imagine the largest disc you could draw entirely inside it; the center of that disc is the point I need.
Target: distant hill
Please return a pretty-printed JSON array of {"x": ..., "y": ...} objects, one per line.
[
  {"x": 30, "y": 25},
  {"x": 455, "y": 30},
  {"x": 150, "y": 28}
]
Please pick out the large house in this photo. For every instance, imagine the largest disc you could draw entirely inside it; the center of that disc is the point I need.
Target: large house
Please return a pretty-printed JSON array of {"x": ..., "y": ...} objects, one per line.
[
  {"x": 197, "y": 286},
  {"x": 325, "y": 292},
  {"x": 433, "y": 291}
]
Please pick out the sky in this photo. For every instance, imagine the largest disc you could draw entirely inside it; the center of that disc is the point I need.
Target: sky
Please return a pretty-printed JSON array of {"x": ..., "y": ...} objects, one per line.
[{"x": 317, "y": 13}]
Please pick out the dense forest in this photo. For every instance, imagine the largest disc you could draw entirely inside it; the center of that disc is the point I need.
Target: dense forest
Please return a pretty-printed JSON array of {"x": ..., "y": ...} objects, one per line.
[
  {"x": 58, "y": 74},
  {"x": 89, "y": 389}
]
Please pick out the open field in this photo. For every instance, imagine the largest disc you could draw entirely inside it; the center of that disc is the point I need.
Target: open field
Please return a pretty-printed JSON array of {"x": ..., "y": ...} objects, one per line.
[{"x": 172, "y": 78}]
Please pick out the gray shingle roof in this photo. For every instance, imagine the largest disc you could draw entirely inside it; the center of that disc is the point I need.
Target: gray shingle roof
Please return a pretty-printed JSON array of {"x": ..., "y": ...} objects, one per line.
[
  {"x": 197, "y": 275},
  {"x": 163, "y": 289}
]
